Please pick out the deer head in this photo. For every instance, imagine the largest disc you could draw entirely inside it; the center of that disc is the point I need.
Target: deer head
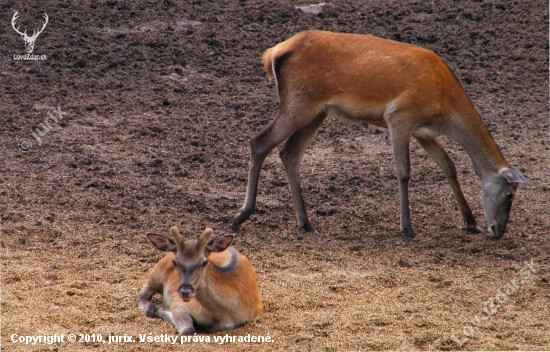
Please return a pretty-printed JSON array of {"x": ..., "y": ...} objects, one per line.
[
  {"x": 29, "y": 41},
  {"x": 191, "y": 257}
]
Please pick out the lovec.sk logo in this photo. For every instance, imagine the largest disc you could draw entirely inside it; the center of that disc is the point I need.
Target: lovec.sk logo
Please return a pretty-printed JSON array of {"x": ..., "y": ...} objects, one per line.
[{"x": 29, "y": 40}]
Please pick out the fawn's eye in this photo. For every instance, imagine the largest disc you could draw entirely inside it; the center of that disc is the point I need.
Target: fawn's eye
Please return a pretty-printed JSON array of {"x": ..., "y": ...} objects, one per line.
[
  {"x": 174, "y": 262},
  {"x": 509, "y": 196},
  {"x": 204, "y": 263}
]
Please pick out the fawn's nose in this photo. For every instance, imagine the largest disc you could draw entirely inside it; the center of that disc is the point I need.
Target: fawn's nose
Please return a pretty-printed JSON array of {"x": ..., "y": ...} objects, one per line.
[{"x": 186, "y": 291}]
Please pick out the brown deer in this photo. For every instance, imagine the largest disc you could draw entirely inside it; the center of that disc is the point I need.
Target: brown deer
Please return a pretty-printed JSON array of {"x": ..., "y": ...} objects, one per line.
[
  {"x": 368, "y": 80},
  {"x": 204, "y": 281}
]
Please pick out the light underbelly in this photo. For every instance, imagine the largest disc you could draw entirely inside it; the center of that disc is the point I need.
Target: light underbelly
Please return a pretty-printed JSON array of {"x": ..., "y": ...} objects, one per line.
[
  {"x": 426, "y": 133},
  {"x": 370, "y": 115}
]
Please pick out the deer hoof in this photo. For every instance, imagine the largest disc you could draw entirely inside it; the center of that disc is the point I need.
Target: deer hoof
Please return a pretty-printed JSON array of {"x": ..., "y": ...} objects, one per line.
[
  {"x": 409, "y": 233},
  {"x": 150, "y": 310},
  {"x": 306, "y": 226},
  {"x": 243, "y": 215},
  {"x": 239, "y": 219},
  {"x": 475, "y": 229},
  {"x": 190, "y": 330},
  {"x": 235, "y": 224}
]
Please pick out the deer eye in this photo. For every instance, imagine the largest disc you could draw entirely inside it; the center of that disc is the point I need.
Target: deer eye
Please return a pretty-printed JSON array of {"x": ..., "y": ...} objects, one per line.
[
  {"x": 204, "y": 263},
  {"x": 174, "y": 262},
  {"x": 509, "y": 196}
]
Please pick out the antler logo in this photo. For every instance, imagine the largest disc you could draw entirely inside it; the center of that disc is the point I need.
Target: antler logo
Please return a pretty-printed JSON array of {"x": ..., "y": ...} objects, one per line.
[{"x": 29, "y": 41}]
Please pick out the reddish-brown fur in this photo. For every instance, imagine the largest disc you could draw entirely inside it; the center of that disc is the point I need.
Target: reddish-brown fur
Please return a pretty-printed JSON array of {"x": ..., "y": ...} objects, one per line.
[
  {"x": 364, "y": 79},
  {"x": 224, "y": 296}
]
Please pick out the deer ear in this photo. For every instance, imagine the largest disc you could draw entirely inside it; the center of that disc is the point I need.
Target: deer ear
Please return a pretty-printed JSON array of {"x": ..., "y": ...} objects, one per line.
[
  {"x": 161, "y": 242},
  {"x": 514, "y": 176},
  {"x": 219, "y": 244}
]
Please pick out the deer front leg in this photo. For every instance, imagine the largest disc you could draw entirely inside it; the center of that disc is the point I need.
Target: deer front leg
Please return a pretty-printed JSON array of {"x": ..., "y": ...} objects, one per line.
[
  {"x": 178, "y": 316},
  {"x": 400, "y": 148},
  {"x": 436, "y": 152},
  {"x": 144, "y": 301}
]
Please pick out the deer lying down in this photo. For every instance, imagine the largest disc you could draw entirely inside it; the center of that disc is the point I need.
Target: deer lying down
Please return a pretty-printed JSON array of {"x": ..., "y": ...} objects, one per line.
[
  {"x": 368, "y": 80},
  {"x": 202, "y": 281}
]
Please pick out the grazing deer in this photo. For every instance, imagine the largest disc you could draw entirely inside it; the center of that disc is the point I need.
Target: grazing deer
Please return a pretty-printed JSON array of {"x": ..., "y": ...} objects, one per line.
[
  {"x": 203, "y": 281},
  {"x": 368, "y": 80},
  {"x": 29, "y": 41}
]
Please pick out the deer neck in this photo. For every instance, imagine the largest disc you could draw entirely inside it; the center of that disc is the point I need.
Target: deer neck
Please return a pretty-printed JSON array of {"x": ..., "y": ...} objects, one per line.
[
  {"x": 472, "y": 135},
  {"x": 211, "y": 293}
]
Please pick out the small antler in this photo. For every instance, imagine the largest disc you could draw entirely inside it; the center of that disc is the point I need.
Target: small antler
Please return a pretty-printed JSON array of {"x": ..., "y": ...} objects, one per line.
[
  {"x": 203, "y": 239},
  {"x": 178, "y": 238}
]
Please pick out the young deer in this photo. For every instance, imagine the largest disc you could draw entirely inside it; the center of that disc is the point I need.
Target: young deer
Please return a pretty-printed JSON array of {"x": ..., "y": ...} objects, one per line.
[
  {"x": 203, "y": 281},
  {"x": 364, "y": 79}
]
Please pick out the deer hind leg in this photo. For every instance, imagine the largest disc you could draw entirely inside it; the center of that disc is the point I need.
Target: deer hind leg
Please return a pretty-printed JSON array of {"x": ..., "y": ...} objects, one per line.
[
  {"x": 284, "y": 125},
  {"x": 144, "y": 301},
  {"x": 291, "y": 154},
  {"x": 436, "y": 152}
]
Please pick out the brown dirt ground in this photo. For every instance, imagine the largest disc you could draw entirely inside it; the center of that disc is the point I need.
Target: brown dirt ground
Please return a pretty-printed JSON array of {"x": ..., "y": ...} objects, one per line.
[{"x": 161, "y": 100}]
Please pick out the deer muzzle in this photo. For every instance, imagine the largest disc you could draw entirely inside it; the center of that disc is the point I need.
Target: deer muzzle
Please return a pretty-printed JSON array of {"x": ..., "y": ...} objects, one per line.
[{"x": 187, "y": 291}]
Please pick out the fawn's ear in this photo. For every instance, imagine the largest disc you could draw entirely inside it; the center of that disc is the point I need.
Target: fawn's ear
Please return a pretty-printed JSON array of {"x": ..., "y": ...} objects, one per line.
[
  {"x": 161, "y": 242},
  {"x": 218, "y": 244},
  {"x": 514, "y": 176}
]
